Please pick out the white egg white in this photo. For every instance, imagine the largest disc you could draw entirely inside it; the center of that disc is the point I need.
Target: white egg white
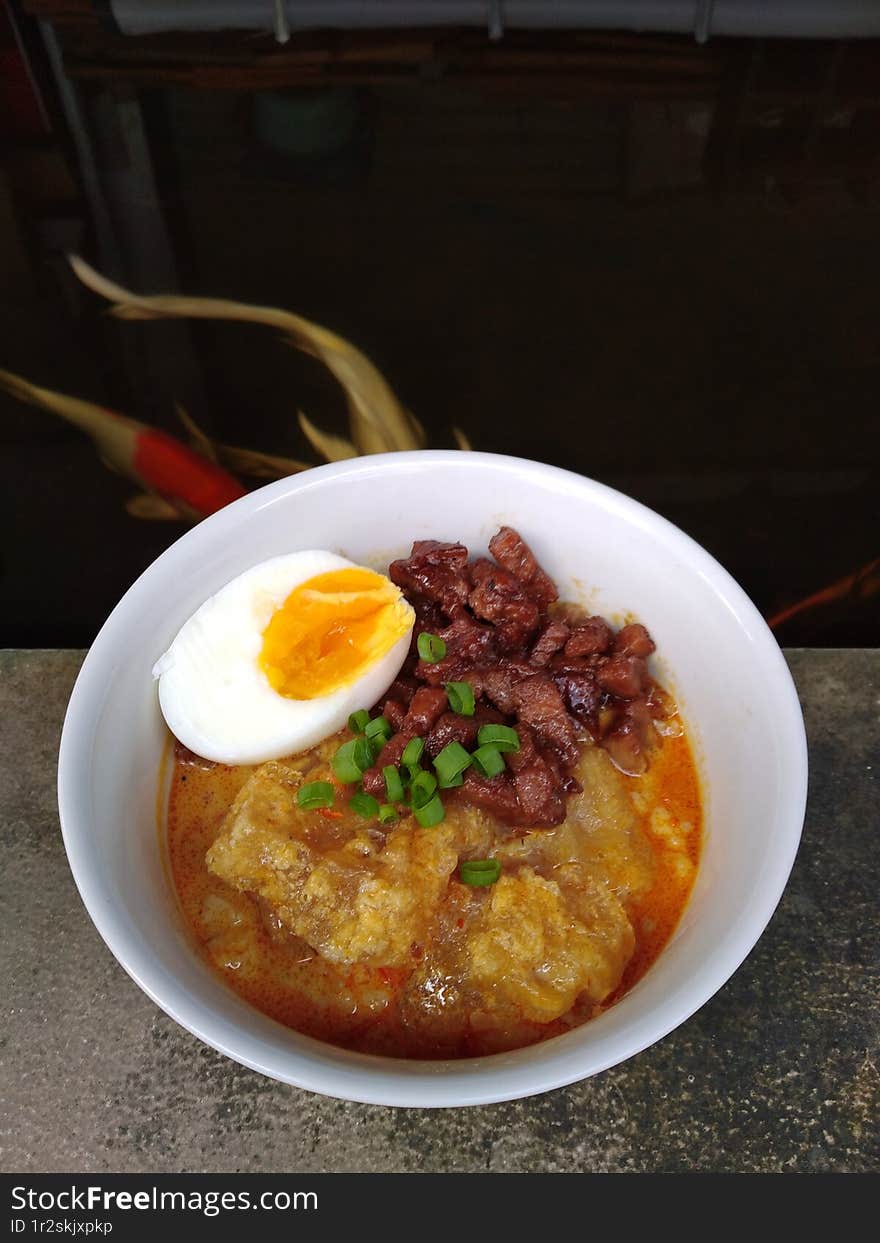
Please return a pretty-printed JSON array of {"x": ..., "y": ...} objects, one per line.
[{"x": 215, "y": 697}]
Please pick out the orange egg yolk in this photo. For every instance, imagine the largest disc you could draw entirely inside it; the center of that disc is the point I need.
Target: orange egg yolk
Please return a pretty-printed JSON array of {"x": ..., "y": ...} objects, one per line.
[{"x": 330, "y": 630}]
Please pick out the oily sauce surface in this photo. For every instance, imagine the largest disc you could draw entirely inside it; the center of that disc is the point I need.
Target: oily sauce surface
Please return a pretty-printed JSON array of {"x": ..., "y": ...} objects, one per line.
[{"x": 626, "y": 858}]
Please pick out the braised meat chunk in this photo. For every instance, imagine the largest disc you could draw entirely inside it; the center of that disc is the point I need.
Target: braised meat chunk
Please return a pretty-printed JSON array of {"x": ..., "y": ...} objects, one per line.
[
  {"x": 434, "y": 574},
  {"x": 500, "y": 597},
  {"x": 592, "y": 637},
  {"x": 512, "y": 552},
  {"x": 540, "y": 706},
  {"x": 559, "y": 677}
]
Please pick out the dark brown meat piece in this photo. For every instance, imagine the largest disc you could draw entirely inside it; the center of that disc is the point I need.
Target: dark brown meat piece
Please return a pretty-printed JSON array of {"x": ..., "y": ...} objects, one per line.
[
  {"x": 552, "y": 638},
  {"x": 540, "y": 786},
  {"x": 631, "y": 738},
  {"x": 512, "y": 640},
  {"x": 374, "y": 782},
  {"x": 540, "y": 795},
  {"x": 394, "y": 713},
  {"x": 428, "y": 703},
  {"x": 540, "y": 706},
  {"x": 498, "y": 686},
  {"x": 470, "y": 639},
  {"x": 394, "y": 749},
  {"x": 634, "y": 640},
  {"x": 498, "y": 683},
  {"x": 623, "y": 676},
  {"x": 495, "y": 795},
  {"x": 429, "y": 617},
  {"x": 582, "y": 696},
  {"x": 442, "y": 671},
  {"x": 434, "y": 572},
  {"x": 402, "y": 689},
  {"x": 454, "y": 728},
  {"x": 590, "y": 638},
  {"x": 498, "y": 596},
  {"x": 527, "y": 753},
  {"x": 512, "y": 552},
  {"x": 468, "y": 643}
]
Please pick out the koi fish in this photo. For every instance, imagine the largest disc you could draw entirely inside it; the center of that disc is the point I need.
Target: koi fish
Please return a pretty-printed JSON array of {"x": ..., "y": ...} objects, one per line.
[
  {"x": 378, "y": 423},
  {"x": 178, "y": 481}
]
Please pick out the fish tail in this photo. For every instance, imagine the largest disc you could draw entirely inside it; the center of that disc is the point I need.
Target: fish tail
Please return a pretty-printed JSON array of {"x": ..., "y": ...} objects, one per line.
[{"x": 86, "y": 415}]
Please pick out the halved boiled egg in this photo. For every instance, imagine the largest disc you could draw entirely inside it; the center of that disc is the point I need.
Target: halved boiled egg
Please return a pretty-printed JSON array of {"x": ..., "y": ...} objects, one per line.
[{"x": 279, "y": 657}]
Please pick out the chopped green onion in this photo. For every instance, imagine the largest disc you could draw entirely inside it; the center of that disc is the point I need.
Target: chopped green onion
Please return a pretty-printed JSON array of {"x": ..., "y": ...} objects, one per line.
[
  {"x": 315, "y": 794},
  {"x": 345, "y": 762},
  {"x": 501, "y": 737},
  {"x": 378, "y": 728},
  {"x": 480, "y": 871},
  {"x": 489, "y": 761},
  {"x": 431, "y": 647},
  {"x": 365, "y": 805},
  {"x": 432, "y": 813},
  {"x": 358, "y": 721},
  {"x": 393, "y": 784},
  {"x": 353, "y": 758},
  {"x": 365, "y": 752},
  {"x": 461, "y": 697},
  {"x": 387, "y": 814},
  {"x": 451, "y": 783},
  {"x": 412, "y": 752},
  {"x": 451, "y": 761},
  {"x": 422, "y": 789}
]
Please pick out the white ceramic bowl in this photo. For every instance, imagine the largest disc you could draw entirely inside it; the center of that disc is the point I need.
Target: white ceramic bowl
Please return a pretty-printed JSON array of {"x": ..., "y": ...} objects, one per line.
[{"x": 715, "y": 652}]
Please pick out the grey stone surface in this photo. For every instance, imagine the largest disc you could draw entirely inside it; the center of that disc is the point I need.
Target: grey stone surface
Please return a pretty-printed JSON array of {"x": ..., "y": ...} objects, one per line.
[{"x": 778, "y": 1072}]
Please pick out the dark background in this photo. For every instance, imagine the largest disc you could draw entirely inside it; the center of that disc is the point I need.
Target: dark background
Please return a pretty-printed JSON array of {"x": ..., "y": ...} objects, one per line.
[{"x": 653, "y": 263}]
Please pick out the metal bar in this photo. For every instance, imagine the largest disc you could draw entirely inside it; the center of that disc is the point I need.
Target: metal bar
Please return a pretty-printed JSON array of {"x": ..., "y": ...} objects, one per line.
[{"x": 744, "y": 18}]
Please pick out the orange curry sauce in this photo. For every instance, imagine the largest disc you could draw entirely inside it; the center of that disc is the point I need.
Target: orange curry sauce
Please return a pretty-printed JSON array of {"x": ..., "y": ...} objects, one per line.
[{"x": 355, "y": 1006}]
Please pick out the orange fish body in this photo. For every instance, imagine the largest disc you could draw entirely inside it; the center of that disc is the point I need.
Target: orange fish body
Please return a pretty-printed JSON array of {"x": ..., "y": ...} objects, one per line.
[{"x": 160, "y": 464}]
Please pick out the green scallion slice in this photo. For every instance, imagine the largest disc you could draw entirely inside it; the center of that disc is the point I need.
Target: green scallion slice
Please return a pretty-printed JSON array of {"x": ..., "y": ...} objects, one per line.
[
  {"x": 451, "y": 761},
  {"x": 451, "y": 783},
  {"x": 432, "y": 813},
  {"x": 422, "y": 789},
  {"x": 430, "y": 647},
  {"x": 387, "y": 814},
  {"x": 365, "y": 752},
  {"x": 489, "y": 761},
  {"x": 501, "y": 737},
  {"x": 480, "y": 871},
  {"x": 345, "y": 762},
  {"x": 365, "y": 805},
  {"x": 393, "y": 784},
  {"x": 378, "y": 730},
  {"x": 461, "y": 697},
  {"x": 315, "y": 794},
  {"x": 412, "y": 752},
  {"x": 358, "y": 721}
]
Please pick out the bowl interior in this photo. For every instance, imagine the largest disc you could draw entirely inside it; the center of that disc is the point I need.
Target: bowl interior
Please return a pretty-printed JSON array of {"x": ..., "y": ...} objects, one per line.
[{"x": 714, "y": 652}]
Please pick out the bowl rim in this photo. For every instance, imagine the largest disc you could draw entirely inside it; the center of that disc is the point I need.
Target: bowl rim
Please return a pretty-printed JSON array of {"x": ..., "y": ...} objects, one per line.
[{"x": 373, "y": 1079}]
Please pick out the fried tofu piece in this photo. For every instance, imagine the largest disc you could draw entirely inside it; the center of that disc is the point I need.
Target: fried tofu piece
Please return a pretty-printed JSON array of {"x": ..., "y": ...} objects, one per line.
[
  {"x": 601, "y": 831},
  {"x": 535, "y": 949},
  {"x": 353, "y": 897}
]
